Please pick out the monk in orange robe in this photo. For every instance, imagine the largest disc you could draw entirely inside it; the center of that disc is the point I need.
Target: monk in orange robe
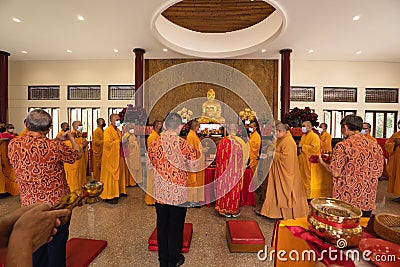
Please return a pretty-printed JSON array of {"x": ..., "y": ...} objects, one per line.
[
  {"x": 64, "y": 129},
  {"x": 229, "y": 173},
  {"x": 325, "y": 137},
  {"x": 286, "y": 195},
  {"x": 366, "y": 131},
  {"x": 133, "y": 162},
  {"x": 255, "y": 145},
  {"x": 196, "y": 179},
  {"x": 392, "y": 146},
  {"x": 149, "y": 185},
  {"x": 97, "y": 148}
]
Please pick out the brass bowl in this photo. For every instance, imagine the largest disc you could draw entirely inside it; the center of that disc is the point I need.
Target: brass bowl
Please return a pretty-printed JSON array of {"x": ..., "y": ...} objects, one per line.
[
  {"x": 335, "y": 221},
  {"x": 93, "y": 189}
]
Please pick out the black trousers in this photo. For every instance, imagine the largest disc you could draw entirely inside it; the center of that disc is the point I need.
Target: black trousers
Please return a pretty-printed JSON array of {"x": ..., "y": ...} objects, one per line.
[{"x": 170, "y": 223}]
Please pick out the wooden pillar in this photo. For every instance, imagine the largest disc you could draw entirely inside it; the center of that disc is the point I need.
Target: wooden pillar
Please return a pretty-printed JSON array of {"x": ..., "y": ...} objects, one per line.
[
  {"x": 4, "y": 85},
  {"x": 139, "y": 52},
  {"x": 285, "y": 82}
]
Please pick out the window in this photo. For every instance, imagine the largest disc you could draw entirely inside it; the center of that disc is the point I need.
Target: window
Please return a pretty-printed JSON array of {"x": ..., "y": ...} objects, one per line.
[
  {"x": 381, "y": 95},
  {"x": 84, "y": 92},
  {"x": 338, "y": 94},
  {"x": 305, "y": 94},
  {"x": 333, "y": 117},
  {"x": 88, "y": 117},
  {"x": 121, "y": 92},
  {"x": 55, "y": 115},
  {"x": 44, "y": 92},
  {"x": 383, "y": 123}
]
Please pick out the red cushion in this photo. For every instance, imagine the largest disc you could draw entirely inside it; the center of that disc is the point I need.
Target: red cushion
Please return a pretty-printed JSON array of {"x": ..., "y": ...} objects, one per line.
[
  {"x": 155, "y": 248},
  {"x": 245, "y": 232},
  {"x": 81, "y": 252},
  {"x": 187, "y": 237}
]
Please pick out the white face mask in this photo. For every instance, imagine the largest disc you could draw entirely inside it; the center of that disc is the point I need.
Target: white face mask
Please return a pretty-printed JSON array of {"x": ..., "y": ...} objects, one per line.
[
  {"x": 10, "y": 130},
  {"x": 320, "y": 130},
  {"x": 118, "y": 123},
  {"x": 303, "y": 129},
  {"x": 80, "y": 128},
  {"x": 251, "y": 130},
  {"x": 199, "y": 131},
  {"x": 131, "y": 131},
  {"x": 363, "y": 131}
]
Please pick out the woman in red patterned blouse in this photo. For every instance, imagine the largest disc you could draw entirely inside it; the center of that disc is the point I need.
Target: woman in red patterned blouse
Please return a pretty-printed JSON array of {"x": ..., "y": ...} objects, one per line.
[{"x": 356, "y": 165}]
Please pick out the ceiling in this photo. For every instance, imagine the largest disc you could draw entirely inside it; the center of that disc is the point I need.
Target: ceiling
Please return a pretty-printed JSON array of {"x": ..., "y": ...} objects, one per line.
[{"x": 49, "y": 28}]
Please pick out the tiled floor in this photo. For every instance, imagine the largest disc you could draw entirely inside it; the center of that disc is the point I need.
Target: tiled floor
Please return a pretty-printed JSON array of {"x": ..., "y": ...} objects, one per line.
[{"x": 127, "y": 226}]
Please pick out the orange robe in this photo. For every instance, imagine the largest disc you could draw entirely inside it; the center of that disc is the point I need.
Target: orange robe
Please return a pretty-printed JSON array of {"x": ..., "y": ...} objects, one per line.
[
  {"x": 7, "y": 174},
  {"x": 326, "y": 142},
  {"x": 76, "y": 172},
  {"x": 393, "y": 166},
  {"x": 149, "y": 186},
  {"x": 97, "y": 148},
  {"x": 132, "y": 159},
  {"x": 111, "y": 164},
  {"x": 311, "y": 145},
  {"x": 255, "y": 145},
  {"x": 286, "y": 195},
  {"x": 60, "y": 133},
  {"x": 369, "y": 136},
  {"x": 24, "y": 131},
  {"x": 196, "y": 179}
]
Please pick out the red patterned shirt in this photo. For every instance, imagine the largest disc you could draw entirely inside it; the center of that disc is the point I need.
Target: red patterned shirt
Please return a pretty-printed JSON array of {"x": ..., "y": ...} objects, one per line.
[
  {"x": 170, "y": 156},
  {"x": 38, "y": 163},
  {"x": 359, "y": 161}
]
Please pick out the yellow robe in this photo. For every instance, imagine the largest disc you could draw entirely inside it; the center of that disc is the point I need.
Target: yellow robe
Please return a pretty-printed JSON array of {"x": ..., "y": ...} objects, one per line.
[
  {"x": 286, "y": 195},
  {"x": 369, "y": 136},
  {"x": 311, "y": 145},
  {"x": 97, "y": 148},
  {"x": 255, "y": 144},
  {"x": 24, "y": 131},
  {"x": 76, "y": 172},
  {"x": 393, "y": 166},
  {"x": 326, "y": 142},
  {"x": 60, "y": 133},
  {"x": 148, "y": 199},
  {"x": 133, "y": 161},
  {"x": 111, "y": 163},
  {"x": 196, "y": 179},
  {"x": 7, "y": 176}
]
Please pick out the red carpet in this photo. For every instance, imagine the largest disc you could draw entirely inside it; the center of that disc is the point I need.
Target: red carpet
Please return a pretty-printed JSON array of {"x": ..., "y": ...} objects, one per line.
[
  {"x": 187, "y": 237},
  {"x": 80, "y": 252}
]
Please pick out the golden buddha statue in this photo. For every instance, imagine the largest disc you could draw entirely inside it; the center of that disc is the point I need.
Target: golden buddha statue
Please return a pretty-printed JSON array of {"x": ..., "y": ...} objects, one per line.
[{"x": 211, "y": 108}]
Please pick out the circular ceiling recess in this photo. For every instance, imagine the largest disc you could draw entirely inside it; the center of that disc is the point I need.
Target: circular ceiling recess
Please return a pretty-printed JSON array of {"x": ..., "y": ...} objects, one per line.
[
  {"x": 218, "y": 28},
  {"x": 217, "y": 16}
]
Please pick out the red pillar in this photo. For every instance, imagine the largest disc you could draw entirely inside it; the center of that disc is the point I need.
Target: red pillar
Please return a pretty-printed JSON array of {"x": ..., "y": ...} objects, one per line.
[
  {"x": 4, "y": 85},
  {"x": 139, "y": 52},
  {"x": 285, "y": 82}
]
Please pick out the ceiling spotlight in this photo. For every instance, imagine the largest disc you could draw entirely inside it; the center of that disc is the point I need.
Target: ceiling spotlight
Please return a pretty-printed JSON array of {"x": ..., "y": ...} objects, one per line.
[
  {"x": 116, "y": 50},
  {"x": 69, "y": 51},
  {"x": 358, "y": 52},
  {"x": 263, "y": 50},
  {"x": 81, "y": 17},
  {"x": 311, "y": 51},
  {"x": 24, "y": 52},
  {"x": 16, "y": 20},
  {"x": 355, "y": 18},
  {"x": 165, "y": 50}
]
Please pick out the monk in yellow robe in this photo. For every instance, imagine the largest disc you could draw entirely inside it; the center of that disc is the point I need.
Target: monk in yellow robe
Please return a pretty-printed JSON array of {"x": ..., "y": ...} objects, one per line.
[
  {"x": 325, "y": 137},
  {"x": 310, "y": 145},
  {"x": 196, "y": 179},
  {"x": 149, "y": 185},
  {"x": 97, "y": 148},
  {"x": 64, "y": 129},
  {"x": 255, "y": 145},
  {"x": 286, "y": 195},
  {"x": 366, "y": 131},
  {"x": 76, "y": 172},
  {"x": 8, "y": 185},
  {"x": 112, "y": 162},
  {"x": 131, "y": 145},
  {"x": 392, "y": 146}
]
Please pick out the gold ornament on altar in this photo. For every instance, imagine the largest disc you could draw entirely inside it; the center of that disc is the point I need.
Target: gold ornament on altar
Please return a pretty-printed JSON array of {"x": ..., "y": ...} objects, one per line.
[
  {"x": 185, "y": 114},
  {"x": 89, "y": 194},
  {"x": 211, "y": 108},
  {"x": 247, "y": 115}
]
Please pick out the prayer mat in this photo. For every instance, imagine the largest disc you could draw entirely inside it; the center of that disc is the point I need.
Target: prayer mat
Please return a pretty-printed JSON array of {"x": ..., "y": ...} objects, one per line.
[
  {"x": 81, "y": 252},
  {"x": 187, "y": 238},
  {"x": 244, "y": 236}
]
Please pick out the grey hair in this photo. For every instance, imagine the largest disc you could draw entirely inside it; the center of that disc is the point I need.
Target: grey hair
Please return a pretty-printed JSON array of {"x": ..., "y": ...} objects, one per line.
[{"x": 38, "y": 120}]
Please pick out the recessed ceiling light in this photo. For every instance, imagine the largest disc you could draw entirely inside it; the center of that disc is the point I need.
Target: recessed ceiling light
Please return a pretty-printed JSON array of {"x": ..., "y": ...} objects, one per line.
[
  {"x": 355, "y": 18},
  {"x": 69, "y": 51},
  {"x": 116, "y": 50},
  {"x": 263, "y": 50},
  {"x": 16, "y": 20},
  {"x": 358, "y": 52},
  {"x": 311, "y": 51},
  {"x": 24, "y": 52},
  {"x": 81, "y": 17},
  {"x": 165, "y": 50}
]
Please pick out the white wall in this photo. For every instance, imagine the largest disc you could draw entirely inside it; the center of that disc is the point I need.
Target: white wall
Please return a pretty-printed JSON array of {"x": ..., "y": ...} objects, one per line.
[{"x": 64, "y": 73}]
